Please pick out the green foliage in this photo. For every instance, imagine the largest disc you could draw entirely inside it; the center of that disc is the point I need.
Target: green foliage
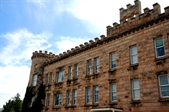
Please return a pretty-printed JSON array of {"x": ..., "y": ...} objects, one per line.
[
  {"x": 13, "y": 105},
  {"x": 37, "y": 104}
]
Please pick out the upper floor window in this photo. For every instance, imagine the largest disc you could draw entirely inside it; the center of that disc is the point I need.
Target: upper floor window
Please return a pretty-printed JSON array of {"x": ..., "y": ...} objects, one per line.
[
  {"x": 164, "y": 85},
  {"x": 48, "y": 100},
  {"x": 133, "y": 55},
  {"x": 96, "y": 94},
  {"x": 60, "y": 76},
  {"x": 46, "y": 79},
  {"x": 74, "y": 96},
  {"x": 34, "y": 81},
  {"x": 113, "y": 60},
  {"x": 58, "y": 100},
  {"x": 50, "y": 79},
  {"x": 70, "y": 72},
  {"x": 89, "y": 67},
  {"x": 96, "y": 65},
  {"x": 87, "y": 95},
  {"x": 68, "y": 97},
  {"x": 159, "y": 47},
  {"x": 135, "y": 89},
  {"x": 76, "y": 71},
  {"x": 32, "y": 100},
  {"x": 113, "y": 92}
]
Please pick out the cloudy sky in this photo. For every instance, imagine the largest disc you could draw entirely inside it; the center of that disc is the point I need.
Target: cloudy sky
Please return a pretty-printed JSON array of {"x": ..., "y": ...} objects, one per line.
[{"x": 52, "y": 25}]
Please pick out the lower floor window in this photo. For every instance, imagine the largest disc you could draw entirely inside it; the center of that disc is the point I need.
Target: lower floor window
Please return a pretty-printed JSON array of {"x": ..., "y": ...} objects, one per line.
[
  {"x": 113, "y": 92},
  {"x": 32, "y": 100},
  {"x": 164, "y": 85},
  {"x": 58, "y": 99},
  {"x": 48, "y": 100}
]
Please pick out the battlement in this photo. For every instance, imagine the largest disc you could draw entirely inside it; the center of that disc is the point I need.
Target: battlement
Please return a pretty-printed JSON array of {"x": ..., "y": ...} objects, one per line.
[
  {"x": 44, "y": 55},
  {"x": 132, "y": 17}
]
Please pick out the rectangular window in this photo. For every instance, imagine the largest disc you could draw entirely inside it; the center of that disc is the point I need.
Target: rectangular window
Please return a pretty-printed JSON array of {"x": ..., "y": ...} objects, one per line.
[
  {"x": 48, "y": 100},
  {"x": 89, "y": 67},
  {"x": 60, "y": 76},
  {"x": 32, "y": 100},
  {"x": 74, "y": 96},
  {"x": 34, "y": 80},
  {"x": 164, "y": 85},
  {"x": 113, "y": 92},
  {"x": 135, "y": 89},
  {"x": 133, "y": 55},
  {"x": 76, "y": 71},
  {"x": 97, "y": 62},
  {"x": 159, "y": 47},
  {"x": 113, "y": 60},
  {"x": 70, "y": 72},
  {"x": 46, "y": 79},
  {"x": 50, "y": 79},
  {"x": 58, "y": 100},
  {"x": 88, "y": 95},
  {"x": 68, "y": 97},
  {"x": 96, "y": 94}
]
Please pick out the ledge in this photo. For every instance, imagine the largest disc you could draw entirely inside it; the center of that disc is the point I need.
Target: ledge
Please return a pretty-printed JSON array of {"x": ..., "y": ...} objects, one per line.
[
  {"x": 92, "y": 75},
  {"x": 88, "y": 105},
  {"x": 70, "y": 106},
  {"x": 58, "y": 83},
  {"x": 113, "y": 103},
  {"x": 135, "y": 101},
  {"x": 112, "y": 70},
  {"x": 164, "y": 99},
  {"x": 161, "y": 60},
  {"x": 57, "y": 107},
  {"x": 133, "y": 66}
]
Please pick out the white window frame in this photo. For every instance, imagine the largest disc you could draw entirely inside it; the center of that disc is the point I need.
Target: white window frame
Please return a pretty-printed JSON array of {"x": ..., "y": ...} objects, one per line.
[
  {"x": 48, "y": 100},
  {"x": 97, "y": 63},
  {"x": 50, "y": 78},
  {"x": 59, "y": 100},
  {"x": 60, "y": 76},
  {"x": 112, "y": 60},
  {"x": 113, "y": 92},
  {"x": 88, "y": 95},
  {"x": 96, "y": 95},
  {"x": 34, "y": 80},
  {"x": 76, "y": 71},
  {"x": 68, "y": 98},
  {"x": 89, "y": 67},
  {"x": 74, "y": 97},
  {"x": 135, "y": 89},
  {"x": 70, "y": 76},
  {"x": 159, "y": 47},
  {"x": 163, "y": 85},
  {"x": 133, "y": 54}
]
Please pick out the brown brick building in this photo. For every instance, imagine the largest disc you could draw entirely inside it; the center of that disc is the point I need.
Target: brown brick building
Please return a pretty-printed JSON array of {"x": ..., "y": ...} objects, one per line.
[{"x": 127, "y": 70}]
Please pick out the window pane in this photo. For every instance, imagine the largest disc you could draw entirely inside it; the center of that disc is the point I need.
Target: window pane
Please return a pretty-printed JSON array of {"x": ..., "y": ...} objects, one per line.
[
  {"x": 97, "y": 61},
  {"x": 134, "y": 59},
  {"x": 165, "y": 91},
  {"x": 114, "y": 87},
  {"x": 113, "y": 64},
  {"x": 165, "y": 88},
  {"x": 136, "y": 94},
  {"x": 89, "y": 63},
  {"x": 159, "y": 42},
  {"x": 114, "y": 96},
  {"x": 113, "y": 56},
  {"x": 163, "y": 79},
  {"x": 160, "y": 51},
  {"x": 133, "y": 50},
  {"x": 135, "y": 84}
]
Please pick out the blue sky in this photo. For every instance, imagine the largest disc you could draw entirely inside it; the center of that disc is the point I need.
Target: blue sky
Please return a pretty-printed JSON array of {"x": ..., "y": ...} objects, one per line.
[{"x": 52, "y": 25}]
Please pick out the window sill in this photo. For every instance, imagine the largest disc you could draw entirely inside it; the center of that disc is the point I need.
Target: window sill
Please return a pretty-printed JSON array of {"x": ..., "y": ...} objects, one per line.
[
  {"x": 74, "y": 79},
  {"x": 88, "y": 105},
  {"x": 92, "y": 75},
  {"x": 113, "y": 103},
  {"x": 58, "y": 83},
  {"x": 57, "y": 107},
  {"x": 161, "y": 60},
  {"x": 133, "y": 66},
  {"x": 112, "y": 70},
  {"x": 135, "y": 102},
  {"x": 164, "y": 99},
  {"x": 70, "y": 106}
]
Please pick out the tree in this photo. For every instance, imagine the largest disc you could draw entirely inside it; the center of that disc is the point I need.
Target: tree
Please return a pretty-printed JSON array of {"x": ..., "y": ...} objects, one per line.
[{"x": 13, "y": 105}]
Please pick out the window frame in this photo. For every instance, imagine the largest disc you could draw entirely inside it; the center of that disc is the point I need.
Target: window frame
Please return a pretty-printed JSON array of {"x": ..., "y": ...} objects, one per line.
[
  {"x": 88, "y": 95},
  {"x": 132, "y": 55},
  {"x": 76, "y": 69},
  {"x": 134, "y": 89},
  {"x": 34, "y": 80},
  {"x": 62, "y": 76},
  {"x": 159, "y": 47},
  {"x": 113, "y": 92},
  {"x": 96, "y": 94},
  {"x": 89, "y": 67},
  {"x": 163, "y": 85},
  {"x": 59, "y": 100},
  {"x": 48, "y": 100},
  {"x": 68, "y": 97},
  {"x": 74, "y": 97},
  {"x": 112, "y": 60},
  {"x": 70, "y": 73},
  {"x": 96, "y": 65}
]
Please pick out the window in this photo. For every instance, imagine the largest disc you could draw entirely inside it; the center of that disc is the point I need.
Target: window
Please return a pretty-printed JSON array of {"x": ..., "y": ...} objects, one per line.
[
  {"x": 96, "y": 94},
  {"x": 135, "y": 89},
  {"x": 70, "y": 72},
  {"x": 159, "y": 47},
  {"x": 48, "y": 100},
  {"x": 113, "y": 92},
  {"x": 68, "y": 97},
  {"x": 34, "y": 80},
  {"x": 32, "y": 100},
  {"x": 60, "y": 76},
  {"x": 76, "y": 71},
  {"x": 74, "y": 96},
  {"x": 89, "y": 67},
  {"x": 133, "y": 55},
  {"x": 113, "y": 60},
  {"x": 46, "y": 79},
  {"x": 50, "y": 79},
  {"x": 96, "y": 65},
  {"x": 58, "y": 99},
  {"x": 88, "y": 95},
  {"x": 164, "y": 85}
]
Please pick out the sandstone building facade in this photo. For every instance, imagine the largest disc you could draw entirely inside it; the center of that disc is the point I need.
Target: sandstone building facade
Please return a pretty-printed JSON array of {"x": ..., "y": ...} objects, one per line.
[{"x": 127, "y": 70}]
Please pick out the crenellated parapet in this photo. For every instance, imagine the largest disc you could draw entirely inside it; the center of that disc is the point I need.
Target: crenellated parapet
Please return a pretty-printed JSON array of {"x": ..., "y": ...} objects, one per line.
[
  {"x": 132, "y": 17},
  {"x": 38, "y": 54}
]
